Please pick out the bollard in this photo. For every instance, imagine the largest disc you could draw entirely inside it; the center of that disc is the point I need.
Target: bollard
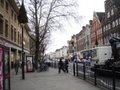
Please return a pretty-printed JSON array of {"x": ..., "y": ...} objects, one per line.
[
  {"x": 77, "y": 69},
  {"x": 74, "y": 69},
  {"x": 114, "y": 75},
  {"x": 95, "y": 75},
  {"x": 84, "y": 70}
]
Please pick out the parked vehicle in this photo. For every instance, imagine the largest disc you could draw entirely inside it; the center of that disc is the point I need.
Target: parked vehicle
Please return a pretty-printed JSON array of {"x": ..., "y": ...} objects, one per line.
[
  {"x": 97, "y": 54},
  {"x": 113, "y": 62}
]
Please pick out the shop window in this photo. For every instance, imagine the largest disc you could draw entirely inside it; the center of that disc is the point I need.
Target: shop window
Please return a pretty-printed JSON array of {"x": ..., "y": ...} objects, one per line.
[
  {"x": 11, "y": 32},
  {"x": 6, "y": 28},
  {"x": 1, "y": 25}
]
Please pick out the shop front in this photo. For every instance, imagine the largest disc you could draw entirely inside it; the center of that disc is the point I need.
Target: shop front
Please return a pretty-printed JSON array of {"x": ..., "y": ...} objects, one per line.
[{"x": 4, "y": 68}]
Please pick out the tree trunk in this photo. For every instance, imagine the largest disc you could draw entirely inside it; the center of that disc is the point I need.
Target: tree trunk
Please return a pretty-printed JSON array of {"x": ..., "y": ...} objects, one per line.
[
  {"x": 37, "y": 37},
  {"x": 37, "y": 52}
]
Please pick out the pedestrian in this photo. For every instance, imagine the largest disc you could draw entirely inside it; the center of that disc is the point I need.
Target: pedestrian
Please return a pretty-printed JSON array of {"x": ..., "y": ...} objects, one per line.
[
  {"x": 33, "y": 65},
  {"x": 66, "y": 65},
  {"x": 60, "y": 66},
  {"x": 16, "y": 66}
]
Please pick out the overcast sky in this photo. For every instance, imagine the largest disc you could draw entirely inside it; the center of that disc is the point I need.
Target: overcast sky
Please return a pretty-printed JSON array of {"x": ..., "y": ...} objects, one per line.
[{"x": 86, "y": 9}]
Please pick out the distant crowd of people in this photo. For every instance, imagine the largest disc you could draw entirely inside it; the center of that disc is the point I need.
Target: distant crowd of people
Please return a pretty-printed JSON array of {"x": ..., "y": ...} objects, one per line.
[
  {"x": 76, "y": 59},
  {"x": 62, "y": 64}
]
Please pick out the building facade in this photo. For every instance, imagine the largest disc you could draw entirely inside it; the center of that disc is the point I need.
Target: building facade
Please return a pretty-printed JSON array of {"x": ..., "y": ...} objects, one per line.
[
  {"x": 10, "y": 30},
  {"x": 111, "y": 24},
  {"x": 72, "y": 45},
  {"x": 88, "y": 28},
  {"x": 96, "y": 31},
  {"x": 80, "y": 40},
  {"x": 59, "y": 53},
  {"x": 83, "y": 38}
]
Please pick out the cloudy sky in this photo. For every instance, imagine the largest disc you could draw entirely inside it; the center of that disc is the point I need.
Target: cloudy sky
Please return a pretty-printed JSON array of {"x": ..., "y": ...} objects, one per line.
[{"x": 85, "y": 9}]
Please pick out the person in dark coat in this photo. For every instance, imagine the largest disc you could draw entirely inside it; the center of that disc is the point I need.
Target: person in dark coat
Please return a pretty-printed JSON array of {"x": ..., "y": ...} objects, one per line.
[
  {"x": 16, "y": 66},
  {"x": 61, "y": 66},
  {"x": 66, "y": 65}
]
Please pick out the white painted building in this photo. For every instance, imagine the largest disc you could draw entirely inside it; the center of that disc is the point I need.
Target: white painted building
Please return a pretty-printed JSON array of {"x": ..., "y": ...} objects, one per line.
[
  {"x": 51, "y": 55},
  {"x": 62, "y": 52}
]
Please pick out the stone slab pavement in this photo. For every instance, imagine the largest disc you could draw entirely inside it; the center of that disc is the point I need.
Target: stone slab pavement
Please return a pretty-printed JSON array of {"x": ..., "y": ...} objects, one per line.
[{"x": 49, "y": 80}]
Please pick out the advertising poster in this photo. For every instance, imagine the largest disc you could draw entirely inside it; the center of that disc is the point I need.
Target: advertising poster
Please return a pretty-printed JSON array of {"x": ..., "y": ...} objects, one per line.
[
  {"x": 1, "y": 69},
  {"x": 6, "y": 69},
  {"x": 29, "y": 63}
]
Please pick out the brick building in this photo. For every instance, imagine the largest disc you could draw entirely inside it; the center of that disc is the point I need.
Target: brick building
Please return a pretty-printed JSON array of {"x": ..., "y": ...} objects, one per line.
[{"x": 96, "y": 31}]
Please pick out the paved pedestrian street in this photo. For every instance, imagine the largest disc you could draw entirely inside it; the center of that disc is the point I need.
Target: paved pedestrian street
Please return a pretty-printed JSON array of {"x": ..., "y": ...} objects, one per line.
[{"x": 49, "y": 80}]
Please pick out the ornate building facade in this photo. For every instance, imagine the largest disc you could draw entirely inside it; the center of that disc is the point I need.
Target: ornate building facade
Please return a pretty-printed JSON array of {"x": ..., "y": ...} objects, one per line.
[{"x": 10, "y": 30}]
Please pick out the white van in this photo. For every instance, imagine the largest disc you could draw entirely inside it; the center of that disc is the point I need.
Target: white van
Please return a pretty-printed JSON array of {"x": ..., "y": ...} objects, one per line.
[{"x": 98, "y": 54}]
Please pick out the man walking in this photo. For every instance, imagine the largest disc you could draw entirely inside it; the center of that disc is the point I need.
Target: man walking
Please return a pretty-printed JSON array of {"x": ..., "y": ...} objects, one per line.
[
  {"x": 66, "y": 65},
  {"x": 16, "y": 66},
  {"x": 61, "y": 66}
]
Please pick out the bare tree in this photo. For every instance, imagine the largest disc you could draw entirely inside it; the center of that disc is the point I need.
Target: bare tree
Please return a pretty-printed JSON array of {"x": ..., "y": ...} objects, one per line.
[{"x": 46, "y": 16}]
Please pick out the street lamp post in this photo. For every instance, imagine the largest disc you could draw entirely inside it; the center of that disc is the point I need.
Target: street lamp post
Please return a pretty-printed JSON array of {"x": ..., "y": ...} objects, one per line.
[
  {"x": 73, "y": 56},
  {"x": 23, "y": 70},
  {"x": 22, "y": 18}
]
